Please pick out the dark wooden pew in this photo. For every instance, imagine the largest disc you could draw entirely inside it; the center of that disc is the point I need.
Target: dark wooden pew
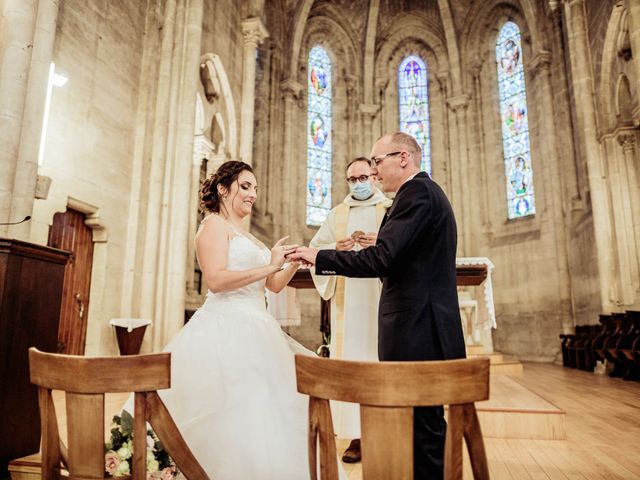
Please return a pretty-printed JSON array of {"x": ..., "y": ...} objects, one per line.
[{"x": 627, "y": 343}]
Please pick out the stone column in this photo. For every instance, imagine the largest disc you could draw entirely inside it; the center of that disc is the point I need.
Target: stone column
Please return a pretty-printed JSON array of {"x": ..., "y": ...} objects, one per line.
[
  {"x": 289, "y": 222},
  {"x": 460, "y": 169},
  {"x": 475, "y": 69},
  {"x": 17, "y": 29},
  {"x": 24, "y": 185},
  {"x": 254, "y": 33},
  {"x": 202, "y": 150},
  {"x": 178, "y": 184},
  {"x": 582, "y": 83},
  {"x": 368, "y": 112},
  {"x": 633, "y": 7},
  {"x": 627, "y": 141},
  {"x": 556, "y": 199}
]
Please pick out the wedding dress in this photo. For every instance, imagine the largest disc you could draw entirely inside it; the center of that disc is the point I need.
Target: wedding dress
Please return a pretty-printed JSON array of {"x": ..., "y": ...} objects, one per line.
[{"x": 233, "y": 390}]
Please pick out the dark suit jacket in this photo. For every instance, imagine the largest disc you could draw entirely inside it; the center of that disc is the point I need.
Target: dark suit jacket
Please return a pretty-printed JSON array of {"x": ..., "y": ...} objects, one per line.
[{"x": 415, "y": 257}]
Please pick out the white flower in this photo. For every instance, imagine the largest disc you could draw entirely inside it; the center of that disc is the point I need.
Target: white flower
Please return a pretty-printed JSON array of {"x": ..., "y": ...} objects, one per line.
[
  {"x": 125, "y": 451},
  {"x": 153, "y": 465},
  {"x": 123, "y": 469}
]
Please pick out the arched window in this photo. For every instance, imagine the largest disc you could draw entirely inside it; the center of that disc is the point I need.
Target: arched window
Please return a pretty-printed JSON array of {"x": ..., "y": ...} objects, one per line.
[
  {"x": 318, "y": 137},
  {"x": 413, "y": 95},
  {"x": 515, "y": 123}
]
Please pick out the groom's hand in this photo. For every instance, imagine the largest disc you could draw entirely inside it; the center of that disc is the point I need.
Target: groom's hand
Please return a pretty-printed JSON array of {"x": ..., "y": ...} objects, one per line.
[{"x": 305, "y": 254}]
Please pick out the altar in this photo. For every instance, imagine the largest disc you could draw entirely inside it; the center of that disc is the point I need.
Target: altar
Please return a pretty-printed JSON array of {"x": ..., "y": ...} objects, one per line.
[{"x": 475, "y": 295}]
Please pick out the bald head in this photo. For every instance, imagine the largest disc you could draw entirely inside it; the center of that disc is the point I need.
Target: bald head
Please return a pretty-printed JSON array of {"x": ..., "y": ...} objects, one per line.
[
  {"x": 404, "y": 141},
  {"x": 397, "y": 157}
]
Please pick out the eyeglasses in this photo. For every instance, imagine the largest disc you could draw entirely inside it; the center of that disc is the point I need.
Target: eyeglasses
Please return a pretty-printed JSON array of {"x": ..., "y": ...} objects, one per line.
[
  {"x": 361, "y": 179},
  {"x": 375, "y": 161}
]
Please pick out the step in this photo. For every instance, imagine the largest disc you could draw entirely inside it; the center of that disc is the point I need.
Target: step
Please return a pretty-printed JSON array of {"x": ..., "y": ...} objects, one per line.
[
  {"x": 26, "y": 468},
  {"x": 514, "y": 411}
]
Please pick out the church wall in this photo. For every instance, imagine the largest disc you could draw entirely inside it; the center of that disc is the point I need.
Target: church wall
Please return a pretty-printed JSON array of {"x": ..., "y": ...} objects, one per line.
[
  {"x": 598, "y": 13},
  {"x": 90, "y": 137},
  {"x": 531, "y": 283},
  {"x": 222, "y": 35}
]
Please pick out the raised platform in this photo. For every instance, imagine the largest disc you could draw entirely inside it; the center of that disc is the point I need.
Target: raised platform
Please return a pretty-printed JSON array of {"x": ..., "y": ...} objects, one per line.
[
  {"x": 500, "y": 363},
  {"x": 514, "y": 411}
]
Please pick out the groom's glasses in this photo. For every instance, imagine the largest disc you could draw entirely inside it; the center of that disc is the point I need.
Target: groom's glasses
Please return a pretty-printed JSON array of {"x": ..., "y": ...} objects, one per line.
[
  {"x": 361, "y": 179},
  {"x": 375, "y": 161}
]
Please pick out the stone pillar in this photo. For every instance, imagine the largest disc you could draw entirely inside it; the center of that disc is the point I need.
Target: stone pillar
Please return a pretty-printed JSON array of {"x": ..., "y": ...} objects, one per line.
[
  {"x": 582, "y": 83},
  {"x": 460, "y": 170},
  {"x": 289, "y": 223},
  {"x": 178, "y": 185},
  {"x": 254, "y": 33},
  {"x": 351, "y": 83},
  {"x": 202, "y": 150},
  {"x": 554, "y": 189},
  {"x": 627, "y": 141},
  {"x": 17, "y": 28},
  {"x": 633, "y": 7},
  {"x": 24, "y": 185},
  {"x": 368, "y": 112},
  {"x": 475, "y": 69}
]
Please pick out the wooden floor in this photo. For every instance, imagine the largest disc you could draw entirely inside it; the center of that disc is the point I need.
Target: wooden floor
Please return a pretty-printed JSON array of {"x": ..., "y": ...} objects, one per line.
[{"x": 602, "y": 424}]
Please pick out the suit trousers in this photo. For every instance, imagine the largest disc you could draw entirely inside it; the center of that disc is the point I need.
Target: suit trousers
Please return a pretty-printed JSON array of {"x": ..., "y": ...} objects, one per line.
[{"x": 429, "y": 430}]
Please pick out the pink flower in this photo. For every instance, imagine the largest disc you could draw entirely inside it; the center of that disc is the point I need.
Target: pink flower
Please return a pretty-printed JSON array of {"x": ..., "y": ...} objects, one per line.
[
  {"x": 111, "y": 462},
  {"x": 166, "y": 474}
]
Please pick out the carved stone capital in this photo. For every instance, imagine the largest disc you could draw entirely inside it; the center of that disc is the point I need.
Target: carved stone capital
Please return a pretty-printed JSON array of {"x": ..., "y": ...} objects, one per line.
[
  {"x": 202, "y": 149},
  {"x": 541, "y": 63},
  {"x": 443, "y": 77},
  {"x": 253, "y": 31},
  {"x": 291, "y": 89},
  {"x": 627, "y": 141},
  {"x": 368, "y": 109},
  {"x": 458, "y": 102}
]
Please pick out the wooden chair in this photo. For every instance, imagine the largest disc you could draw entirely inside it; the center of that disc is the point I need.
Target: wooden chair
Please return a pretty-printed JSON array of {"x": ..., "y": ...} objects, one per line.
[
  {"x": 387, "y": 393},
  {"x": 85, "y": 380}
]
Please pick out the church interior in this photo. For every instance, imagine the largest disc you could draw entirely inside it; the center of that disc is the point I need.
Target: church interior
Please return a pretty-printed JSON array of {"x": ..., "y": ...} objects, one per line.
[{"x": 113, "y": 112}]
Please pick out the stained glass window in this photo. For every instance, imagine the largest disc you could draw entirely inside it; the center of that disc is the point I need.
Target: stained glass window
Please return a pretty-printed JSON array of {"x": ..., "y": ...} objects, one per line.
[
  {"x": 318, "y": 137},
  {"x": 413, "y": 97},
  {"x": 515, "y": 123}
]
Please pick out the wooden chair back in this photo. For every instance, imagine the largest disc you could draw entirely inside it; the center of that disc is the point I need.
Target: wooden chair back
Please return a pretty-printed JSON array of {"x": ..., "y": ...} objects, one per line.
[
  {"x": 387, "y": 393},
  {"x": 85, "y": 380}
]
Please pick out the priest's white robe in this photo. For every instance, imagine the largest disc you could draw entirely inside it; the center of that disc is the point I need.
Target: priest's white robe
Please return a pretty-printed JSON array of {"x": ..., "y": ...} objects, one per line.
[{"x": 354, "y": 301}]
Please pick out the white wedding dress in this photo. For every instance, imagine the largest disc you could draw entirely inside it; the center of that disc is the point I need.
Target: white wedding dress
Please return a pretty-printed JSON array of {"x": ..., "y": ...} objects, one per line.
[{"x": 233, "y": 390}]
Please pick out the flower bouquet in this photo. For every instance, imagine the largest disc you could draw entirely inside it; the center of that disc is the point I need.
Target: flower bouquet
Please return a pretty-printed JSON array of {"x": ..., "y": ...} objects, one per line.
[{"x": 119, "y": 450}]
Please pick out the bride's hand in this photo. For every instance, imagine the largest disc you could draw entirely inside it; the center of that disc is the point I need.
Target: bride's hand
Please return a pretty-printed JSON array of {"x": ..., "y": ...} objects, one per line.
[{"x": 280, "y": 251}]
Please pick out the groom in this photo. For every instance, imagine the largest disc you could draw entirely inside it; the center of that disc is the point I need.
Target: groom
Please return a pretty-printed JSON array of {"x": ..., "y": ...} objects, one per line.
[{"x": 415, "y": 257}]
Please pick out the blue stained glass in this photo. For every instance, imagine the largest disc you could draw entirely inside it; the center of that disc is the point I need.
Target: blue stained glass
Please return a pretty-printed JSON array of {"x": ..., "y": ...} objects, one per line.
[
  {"x": 413, "y": 95},
  {"x": 515, "y": 123},
  {"x": 319, "y": 151}
]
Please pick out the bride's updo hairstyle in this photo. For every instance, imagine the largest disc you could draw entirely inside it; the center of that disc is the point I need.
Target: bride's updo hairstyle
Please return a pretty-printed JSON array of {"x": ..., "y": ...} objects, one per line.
[{"x": 226, "y": 174}]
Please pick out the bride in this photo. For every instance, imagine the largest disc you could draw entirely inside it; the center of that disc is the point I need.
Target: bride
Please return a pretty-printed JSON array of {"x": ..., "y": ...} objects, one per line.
[{"x": 233, "y": 393}]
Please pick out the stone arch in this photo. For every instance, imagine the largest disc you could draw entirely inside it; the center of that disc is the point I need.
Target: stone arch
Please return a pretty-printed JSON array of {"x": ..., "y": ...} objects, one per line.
[
  {"x": 300, "y": 23},
  {"x": 335, "y": 38},
  {"x": 623, "y": 100},
  {"x": 211, "y": 63},
  {"x": 483, "y": 28},
  {"x": 411, "y": 29},
  {"x": 483, "y": 16},
  {"x": 613, "y": 68}
]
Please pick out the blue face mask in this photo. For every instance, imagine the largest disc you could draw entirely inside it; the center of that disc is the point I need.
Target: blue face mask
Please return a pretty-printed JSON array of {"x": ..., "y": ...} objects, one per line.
[{"x": 361, "y": 190}]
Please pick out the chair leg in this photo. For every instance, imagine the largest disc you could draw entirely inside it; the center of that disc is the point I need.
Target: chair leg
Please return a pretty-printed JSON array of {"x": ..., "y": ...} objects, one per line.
[
  {"x": 453, "y": 443},
  {"x": 475, "y": 443}
]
